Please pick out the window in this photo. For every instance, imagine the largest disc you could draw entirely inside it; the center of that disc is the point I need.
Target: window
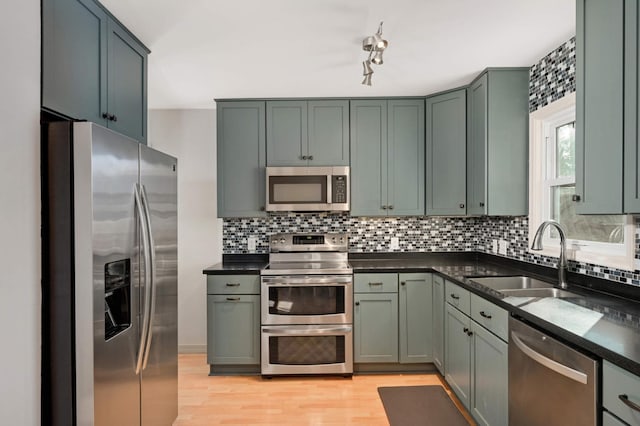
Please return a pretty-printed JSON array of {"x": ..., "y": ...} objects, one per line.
[{"x": 600, "y": 239}]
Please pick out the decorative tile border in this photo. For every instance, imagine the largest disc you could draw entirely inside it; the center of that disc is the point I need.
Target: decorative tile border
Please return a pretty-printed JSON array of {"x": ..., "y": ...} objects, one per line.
[{"x": 553, "y": 77}]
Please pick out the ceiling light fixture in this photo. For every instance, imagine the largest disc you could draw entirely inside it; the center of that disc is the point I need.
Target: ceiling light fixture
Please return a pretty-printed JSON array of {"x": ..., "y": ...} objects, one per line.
[{"x": 375, "y": 45}]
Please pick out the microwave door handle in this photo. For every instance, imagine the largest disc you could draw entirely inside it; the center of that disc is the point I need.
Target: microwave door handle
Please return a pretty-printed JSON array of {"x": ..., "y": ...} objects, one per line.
[{"x": 329, "y": 194}]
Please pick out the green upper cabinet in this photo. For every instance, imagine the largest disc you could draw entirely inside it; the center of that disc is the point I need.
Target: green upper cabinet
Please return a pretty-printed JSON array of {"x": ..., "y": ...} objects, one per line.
[
  {"x": 74, "y": 59},
  {"x": 446, "y": 147},
  {"x": 241, "y": 158},
  {"x": 308, "y": 133},
  {"x": 93, "y": 68},
  {"x": 631, "y": 110},
  {"x": 607, "y": 113},
  {"x": 127, "y": 83},
  {"x": 387, "y": 157},
  {"x": 599, "y": 106},
  {"x": 498, "y": 143},
  {"x": 368, "y": 157},
  {"x": 415, "y": 303}
]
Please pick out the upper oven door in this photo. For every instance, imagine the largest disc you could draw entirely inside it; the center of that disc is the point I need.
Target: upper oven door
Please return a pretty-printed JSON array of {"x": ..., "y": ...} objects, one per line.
[
  {"x": 307, "y": 189},
  {"x": 318, "y": 299}
]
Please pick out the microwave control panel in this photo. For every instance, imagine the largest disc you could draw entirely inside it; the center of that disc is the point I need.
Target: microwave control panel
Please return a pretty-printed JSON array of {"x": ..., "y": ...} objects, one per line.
[{"x": 339, "y": 188}]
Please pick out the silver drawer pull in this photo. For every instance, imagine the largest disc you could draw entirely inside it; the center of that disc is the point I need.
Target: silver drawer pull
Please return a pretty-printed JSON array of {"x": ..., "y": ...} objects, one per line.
[
  {"x": 455, "y": 296},
  {"x": 625, "y": 399},
  {"x": 233, "y": 284},
  {"x": 375, "y": 283},
  {"x": 233, "y": 299},
  {"x": 485, "y": 315}
]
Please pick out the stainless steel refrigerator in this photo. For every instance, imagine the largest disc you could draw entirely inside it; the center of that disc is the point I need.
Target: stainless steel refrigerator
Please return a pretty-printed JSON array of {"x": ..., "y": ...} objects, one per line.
[{"x": 109, "y": 279}]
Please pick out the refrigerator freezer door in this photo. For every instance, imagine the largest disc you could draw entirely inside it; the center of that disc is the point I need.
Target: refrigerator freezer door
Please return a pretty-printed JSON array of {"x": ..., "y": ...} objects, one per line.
[
  {"x": 159, "y": 376},
  {"x": 107, "y": 276}
]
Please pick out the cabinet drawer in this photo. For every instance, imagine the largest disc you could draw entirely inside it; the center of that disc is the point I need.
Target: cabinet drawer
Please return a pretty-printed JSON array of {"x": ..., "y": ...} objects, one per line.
[
  {"x": 458, "y": 297},
  {"x": 616, "y": 382},
  {"x": 375, "y": 283},
  {"x": 490, "y": 316},
  {"x": 233, "y": 284}
]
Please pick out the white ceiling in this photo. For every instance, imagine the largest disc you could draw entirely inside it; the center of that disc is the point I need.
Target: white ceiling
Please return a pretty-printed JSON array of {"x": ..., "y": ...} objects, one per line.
[{"x": 206, "y": 49}]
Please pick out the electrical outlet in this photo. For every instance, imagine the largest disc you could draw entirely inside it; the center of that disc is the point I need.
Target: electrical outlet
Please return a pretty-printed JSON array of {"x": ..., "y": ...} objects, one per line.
[
  {"x": 395, "y": 243},
  {"x": 494, "y": 247},
  {"x": 251, "y": 244},
  {"x": 503, "y": 246}
]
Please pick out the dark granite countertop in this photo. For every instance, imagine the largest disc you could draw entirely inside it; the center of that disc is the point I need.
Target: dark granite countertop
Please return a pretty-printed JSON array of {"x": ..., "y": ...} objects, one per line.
[
  {"x": 604, "y": 324},
  {"x": 238, "y": 264}
]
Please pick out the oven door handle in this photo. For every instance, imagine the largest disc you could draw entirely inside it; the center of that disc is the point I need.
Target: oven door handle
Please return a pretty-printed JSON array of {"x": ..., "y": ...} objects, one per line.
[
  {"x": 302, "y": 332},
  {"x": 320, "y": 280}
]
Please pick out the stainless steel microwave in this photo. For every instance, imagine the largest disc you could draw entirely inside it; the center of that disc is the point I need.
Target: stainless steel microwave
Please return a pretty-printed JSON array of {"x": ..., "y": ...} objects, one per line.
[{"x": 308, "y": 189}]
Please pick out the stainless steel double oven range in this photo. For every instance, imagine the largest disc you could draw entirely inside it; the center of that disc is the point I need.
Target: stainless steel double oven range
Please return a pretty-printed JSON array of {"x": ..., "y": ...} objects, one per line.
[{"x": 307, "y": 306}]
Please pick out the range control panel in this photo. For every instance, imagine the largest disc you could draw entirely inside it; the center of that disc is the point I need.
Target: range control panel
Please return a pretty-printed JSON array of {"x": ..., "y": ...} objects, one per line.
[{"x": 308, "y": 242}]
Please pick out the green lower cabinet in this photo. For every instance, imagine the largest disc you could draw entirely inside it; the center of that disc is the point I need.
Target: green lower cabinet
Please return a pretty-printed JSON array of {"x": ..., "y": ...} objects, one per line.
[
  {"x": 415, "y": 302},
  {"x": 476, "y": 367},
  {"x": 233, "y": 329},
  {"x": 489, "y": 396},
  {"x": 458, "y": 353},
  {"x": 375, "y": 323},
  {"x": 438, "y": 323}
]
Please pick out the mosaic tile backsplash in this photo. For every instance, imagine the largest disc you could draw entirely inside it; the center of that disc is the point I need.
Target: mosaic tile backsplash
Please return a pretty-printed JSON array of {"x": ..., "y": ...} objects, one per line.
[
  {"x": 415, "y": 234},
  {"x": 553, "y": 77},
  {"x": 549, "y": 80}
]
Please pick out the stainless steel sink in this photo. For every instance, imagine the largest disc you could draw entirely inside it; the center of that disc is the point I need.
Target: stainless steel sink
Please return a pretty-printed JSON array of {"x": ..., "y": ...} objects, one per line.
[
  {"x": 519, "y": 282},
  {"x": 539, "y": 292}
]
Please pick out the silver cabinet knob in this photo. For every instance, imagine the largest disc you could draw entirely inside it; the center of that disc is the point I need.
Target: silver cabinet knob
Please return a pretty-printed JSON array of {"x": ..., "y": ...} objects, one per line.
[
  {"x": 310, "y": 157},
  {"x": 391, "y": 207},
  {"x": 304, "y": 157},
  {"x": 462, "y": 205},
  {"x": 384, "y": 207}
]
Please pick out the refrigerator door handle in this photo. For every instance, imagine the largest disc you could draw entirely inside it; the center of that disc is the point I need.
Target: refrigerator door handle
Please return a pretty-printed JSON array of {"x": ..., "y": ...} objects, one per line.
[
  {"x": 147, "y": 278},
  {"x": 152, "y": 269}
]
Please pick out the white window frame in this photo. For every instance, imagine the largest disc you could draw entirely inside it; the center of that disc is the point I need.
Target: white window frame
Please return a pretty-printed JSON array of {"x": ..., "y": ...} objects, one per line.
[{"x": 621, "y": 257}]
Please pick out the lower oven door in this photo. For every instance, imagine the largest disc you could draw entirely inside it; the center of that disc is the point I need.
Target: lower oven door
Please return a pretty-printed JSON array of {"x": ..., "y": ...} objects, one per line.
[
  {"x": 307, "y": 299},
  {"x": 307, "y": 349}
]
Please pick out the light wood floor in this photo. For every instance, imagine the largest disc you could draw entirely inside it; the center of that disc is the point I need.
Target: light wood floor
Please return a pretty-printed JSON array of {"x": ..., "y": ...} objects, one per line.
[{"x": 251, "y": 400}]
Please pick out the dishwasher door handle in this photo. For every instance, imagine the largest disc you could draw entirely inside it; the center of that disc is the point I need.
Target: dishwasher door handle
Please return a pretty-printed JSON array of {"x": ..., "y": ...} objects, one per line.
[{"x": 569, "y": 372}]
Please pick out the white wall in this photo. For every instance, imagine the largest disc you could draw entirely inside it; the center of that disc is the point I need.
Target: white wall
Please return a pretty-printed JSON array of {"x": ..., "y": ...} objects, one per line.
[
  {"x": 20, "y": 212},
  {"x": 190, "y": 135}
]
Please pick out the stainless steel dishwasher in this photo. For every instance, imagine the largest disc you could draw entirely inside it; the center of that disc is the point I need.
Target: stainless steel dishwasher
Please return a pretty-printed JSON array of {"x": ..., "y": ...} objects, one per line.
[{"x": 549, "y": 382}]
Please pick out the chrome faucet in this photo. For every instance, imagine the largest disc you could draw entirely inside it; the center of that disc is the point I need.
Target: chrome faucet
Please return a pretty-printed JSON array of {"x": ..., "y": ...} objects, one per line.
[{"x": 562, "y": 262}]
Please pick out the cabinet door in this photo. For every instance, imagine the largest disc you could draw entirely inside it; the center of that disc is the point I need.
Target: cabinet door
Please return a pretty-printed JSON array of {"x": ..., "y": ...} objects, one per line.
[
  {"x": 233, "y": 329},
  {"x": 458, "y": 353},
  {"x": 368, "y": 158},
  {"x": 446, "y": 144},
  {"x": 415, "y": 316},
  {"x": 490, "y": 397},
  {"x": 74, "y": 59},
  {"x": 287, "y": 133},
  {"x": 599, "y": 106},
  {"x": 405, "y": 157},
  {"x": 438, "y": 323},
  {"x": 328, "y": 133},
  {"x": 631, "y": 110},
  {"x": 127, "y": 87},
  {"x": 477, "y": 147},
  {"x": 241, "y": 159},
  {"x": 375, "y": 324}
]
